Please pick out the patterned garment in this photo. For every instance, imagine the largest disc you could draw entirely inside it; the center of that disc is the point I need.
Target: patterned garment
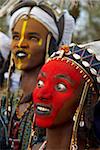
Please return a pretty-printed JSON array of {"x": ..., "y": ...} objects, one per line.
[{"x": 20, "y": 128}]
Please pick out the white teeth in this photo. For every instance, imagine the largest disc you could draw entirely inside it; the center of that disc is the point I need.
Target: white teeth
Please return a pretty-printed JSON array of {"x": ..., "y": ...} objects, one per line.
[
  {"x": 42, "y": 108},
  {"x": 20, "y": 54}
]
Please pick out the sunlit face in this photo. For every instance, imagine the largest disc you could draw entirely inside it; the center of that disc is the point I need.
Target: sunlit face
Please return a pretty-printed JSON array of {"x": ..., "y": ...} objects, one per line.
[
  {"x": 28, "y": 43},
  {"x": 57, "y": 93}
]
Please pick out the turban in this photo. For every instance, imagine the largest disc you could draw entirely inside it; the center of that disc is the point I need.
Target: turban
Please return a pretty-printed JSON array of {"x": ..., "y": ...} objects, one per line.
[{"x": 44, "y": 16}]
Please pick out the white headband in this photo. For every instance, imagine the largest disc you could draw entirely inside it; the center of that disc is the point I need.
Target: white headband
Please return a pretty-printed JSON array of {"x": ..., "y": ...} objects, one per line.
[
  {"x": 47, "y": 21},
  {"x": 39, "y": 15},
  {"x": 16, "y": 15}
]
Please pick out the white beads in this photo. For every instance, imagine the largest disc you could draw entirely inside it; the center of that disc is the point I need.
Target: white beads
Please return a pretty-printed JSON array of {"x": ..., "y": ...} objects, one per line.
[
  {"x": 98, "y": 57},
  {"x": 93, "y": 71},
  {"x": 81, "y": 123},
  {"x": 90, "y": 50},
  {"x": 85, "y": 63},
  {"x": 74, "y": 147},
  {"x": 98, "y": 79},
  {"x": 76, "y": 56}
]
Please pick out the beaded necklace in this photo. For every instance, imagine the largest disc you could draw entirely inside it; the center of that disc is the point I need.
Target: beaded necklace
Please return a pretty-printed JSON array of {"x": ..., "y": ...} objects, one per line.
[
  {"x": 43, "y": 146},
  {"x": 20, "y": 114}
]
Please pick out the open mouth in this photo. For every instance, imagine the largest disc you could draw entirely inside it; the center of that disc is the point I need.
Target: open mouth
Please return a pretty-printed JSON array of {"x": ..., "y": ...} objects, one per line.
[
  {"x": 43, "y": 110},
  {"x": 21, "y": 54}
]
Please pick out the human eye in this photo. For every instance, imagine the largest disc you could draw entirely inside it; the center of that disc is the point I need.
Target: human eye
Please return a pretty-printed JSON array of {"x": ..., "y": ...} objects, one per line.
[
  {"x": 33, "y": 38},
  {"x": 60, "y": 87},
  {"x": 15, "y": 37},
  {"x": 40, "y": 83}
]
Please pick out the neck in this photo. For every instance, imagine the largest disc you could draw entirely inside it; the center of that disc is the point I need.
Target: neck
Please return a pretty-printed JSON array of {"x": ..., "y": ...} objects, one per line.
[
  {"x": 29, "y": 80},
  {"x": 59, "y": 137}
]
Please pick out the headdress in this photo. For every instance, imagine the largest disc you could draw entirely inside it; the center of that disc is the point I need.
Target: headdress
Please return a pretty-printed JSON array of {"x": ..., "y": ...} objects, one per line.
[
  {"x": 4, "y": 45},
  {"x": 59, "y": 22},
  {"x": 84, "y": 58},
  {"x": 88, "y": 64}
]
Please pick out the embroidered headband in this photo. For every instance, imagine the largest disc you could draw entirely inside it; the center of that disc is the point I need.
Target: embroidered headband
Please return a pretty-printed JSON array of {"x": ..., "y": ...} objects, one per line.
[{"x": 82, "y": 58}]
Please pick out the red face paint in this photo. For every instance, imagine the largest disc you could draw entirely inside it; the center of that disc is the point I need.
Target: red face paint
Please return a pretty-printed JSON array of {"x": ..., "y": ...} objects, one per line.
[{"x": 56, "y": 93}]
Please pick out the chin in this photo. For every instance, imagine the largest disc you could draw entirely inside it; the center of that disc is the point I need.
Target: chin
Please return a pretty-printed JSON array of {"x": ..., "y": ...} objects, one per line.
[
  {"x": 23, "y": 67},
  {"x": 44, "y": 123},
  {"x": 20, "y": 67}
]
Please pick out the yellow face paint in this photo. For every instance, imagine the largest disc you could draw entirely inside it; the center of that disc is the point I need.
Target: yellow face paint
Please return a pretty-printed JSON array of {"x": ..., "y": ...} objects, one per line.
[
  {"x": 19, "y": 65},
  {"x": 40, "y": 42},
  {"x": 22, "y": 33},
  {"x": 29, "y": 55}
]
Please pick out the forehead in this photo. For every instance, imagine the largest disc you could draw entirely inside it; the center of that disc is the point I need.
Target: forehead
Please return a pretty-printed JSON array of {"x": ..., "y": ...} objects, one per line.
[
  {"x": 57, "y": 67},
  {"x": 32, "y": 25}
]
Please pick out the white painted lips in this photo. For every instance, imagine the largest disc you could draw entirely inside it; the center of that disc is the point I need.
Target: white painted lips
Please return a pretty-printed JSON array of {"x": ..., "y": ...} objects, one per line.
[{"x": 21, "y": 54}]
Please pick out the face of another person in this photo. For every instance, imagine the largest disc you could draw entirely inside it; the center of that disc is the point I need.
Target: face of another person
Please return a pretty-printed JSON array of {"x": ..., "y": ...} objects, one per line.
[
  {"x": 57, "y": 93},
  {"x": 28, "y": 43}
]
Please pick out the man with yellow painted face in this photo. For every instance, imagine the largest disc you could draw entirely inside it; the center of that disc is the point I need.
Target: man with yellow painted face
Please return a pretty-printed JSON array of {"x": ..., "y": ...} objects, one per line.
[
  {"x": 29, "y": 44},
  {"x": 37, "y": 29}
]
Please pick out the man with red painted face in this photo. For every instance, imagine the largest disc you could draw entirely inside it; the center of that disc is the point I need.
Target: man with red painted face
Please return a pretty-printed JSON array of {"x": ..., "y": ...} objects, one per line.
[
  {"x": 66, "y": 92},
  {"x": 37, "y": 29}
]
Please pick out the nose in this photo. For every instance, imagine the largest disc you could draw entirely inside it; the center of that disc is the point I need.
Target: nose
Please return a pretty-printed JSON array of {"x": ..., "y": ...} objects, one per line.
[
  {"x": 45, "y": 94},
  {"x": 23, "y": 44}
]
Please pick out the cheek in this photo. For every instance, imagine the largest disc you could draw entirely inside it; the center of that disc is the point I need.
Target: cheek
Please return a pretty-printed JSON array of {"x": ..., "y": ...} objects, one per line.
[
  {"x": 13, "y": 45},
  {"x": 61, "y": 98},
  {"x": 63, "y": 107},
  {"x": 38, "y": 51}
]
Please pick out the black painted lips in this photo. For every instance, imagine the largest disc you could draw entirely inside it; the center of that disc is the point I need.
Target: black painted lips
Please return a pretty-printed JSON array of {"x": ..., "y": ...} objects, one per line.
[{"x": 43, "y": 109}]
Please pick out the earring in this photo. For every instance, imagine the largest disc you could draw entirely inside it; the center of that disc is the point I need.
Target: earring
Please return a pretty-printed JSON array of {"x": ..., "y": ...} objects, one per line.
[
  {"x": 75, "y": 115},
  {"x": 81, "y": 124},
  {"x": 74, "y": 145}
]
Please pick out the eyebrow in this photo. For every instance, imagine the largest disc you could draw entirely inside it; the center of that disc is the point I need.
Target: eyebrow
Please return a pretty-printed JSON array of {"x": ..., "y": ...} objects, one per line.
[
  {"x": 30, "y": 33},
  {"x": 15, "y": 33},
  {"x": 66, "y": 77},
  {"x": 43, "y": 74},
  {"x": 34, "y": 33},
  {"x": 60, "y": 76}
]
